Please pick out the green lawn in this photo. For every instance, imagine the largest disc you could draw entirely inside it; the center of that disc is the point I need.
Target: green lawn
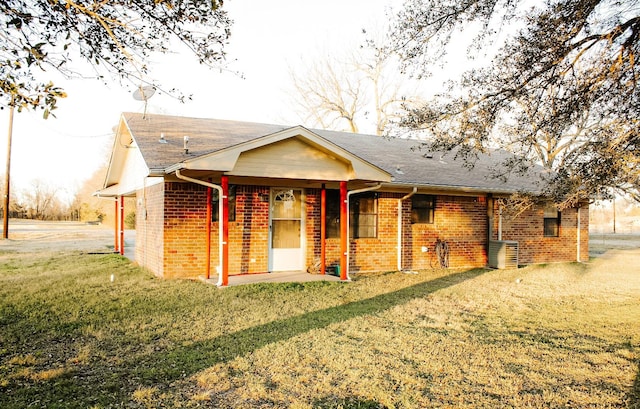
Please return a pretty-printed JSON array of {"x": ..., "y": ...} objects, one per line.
[{"x": 552, "y": 336}]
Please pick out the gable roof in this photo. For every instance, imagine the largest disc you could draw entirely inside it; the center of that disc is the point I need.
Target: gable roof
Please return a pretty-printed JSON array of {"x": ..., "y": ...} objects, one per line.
[
  {"x": 227, "y": 159},
  {"x": 399, "y": 159}
]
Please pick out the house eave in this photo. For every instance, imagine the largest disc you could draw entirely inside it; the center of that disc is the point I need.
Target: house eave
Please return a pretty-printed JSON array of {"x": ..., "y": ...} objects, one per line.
[
  {"x": 452, "y": 189},
  {"x": 112, "y": 191},
  {"x": 159, "y": 172}
]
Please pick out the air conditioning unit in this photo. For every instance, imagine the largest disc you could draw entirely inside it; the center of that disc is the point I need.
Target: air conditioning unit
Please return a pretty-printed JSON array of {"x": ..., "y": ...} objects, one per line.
[{"x": 503, "y": 254}]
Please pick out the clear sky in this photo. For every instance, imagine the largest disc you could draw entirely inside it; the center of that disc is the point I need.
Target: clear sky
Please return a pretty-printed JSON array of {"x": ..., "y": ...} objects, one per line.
[{"x": 267, "y": 38}]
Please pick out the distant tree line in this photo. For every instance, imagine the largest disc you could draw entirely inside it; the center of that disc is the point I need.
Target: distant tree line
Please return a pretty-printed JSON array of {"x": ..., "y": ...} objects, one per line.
[{"x": 43, "y": 201}]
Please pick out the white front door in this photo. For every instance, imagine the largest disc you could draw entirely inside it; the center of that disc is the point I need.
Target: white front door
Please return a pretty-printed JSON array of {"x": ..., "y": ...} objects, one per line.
[{"x": 286, "y": 226}]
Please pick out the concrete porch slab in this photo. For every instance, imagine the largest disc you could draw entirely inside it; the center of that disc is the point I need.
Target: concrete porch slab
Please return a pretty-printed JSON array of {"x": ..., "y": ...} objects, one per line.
[{"x": 278, "y": 277}]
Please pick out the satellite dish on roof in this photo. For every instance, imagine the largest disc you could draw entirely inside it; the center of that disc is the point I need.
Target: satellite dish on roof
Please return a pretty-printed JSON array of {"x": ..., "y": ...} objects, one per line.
[{"x": 143, "y": 93}]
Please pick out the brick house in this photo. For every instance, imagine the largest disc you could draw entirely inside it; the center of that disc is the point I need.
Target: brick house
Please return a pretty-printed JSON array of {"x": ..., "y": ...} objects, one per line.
[{"x": 219, "y": 198}]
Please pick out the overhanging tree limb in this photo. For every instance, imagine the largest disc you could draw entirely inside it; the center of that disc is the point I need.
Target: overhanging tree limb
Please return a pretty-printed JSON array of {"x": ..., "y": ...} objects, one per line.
[{"x": 563, "y": 85}]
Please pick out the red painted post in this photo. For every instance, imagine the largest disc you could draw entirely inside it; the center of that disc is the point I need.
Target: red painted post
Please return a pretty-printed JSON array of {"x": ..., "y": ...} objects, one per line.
[
  {"x": 224, "y": 223},
  {"x": 208, "y": 221},
  {"x": 122, "y": 225},
  {"x": 116, "y": 247},
  {"x": 323, "y": 229},
  {"x": 344, "y": 240}
]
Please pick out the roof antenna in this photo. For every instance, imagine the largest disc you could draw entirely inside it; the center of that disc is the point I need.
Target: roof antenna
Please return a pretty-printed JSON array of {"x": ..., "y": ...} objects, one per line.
[{"x": 143, "y": 93}]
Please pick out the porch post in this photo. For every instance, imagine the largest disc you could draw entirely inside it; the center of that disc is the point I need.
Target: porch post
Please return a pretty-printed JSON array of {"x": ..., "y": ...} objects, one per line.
[
  {"x": 490, "y": 210},
  {"x": 122, "y": 225},
  {"x": 208, "y": 221},
  {"x": 224, "y": 224},
  {"x": 323, "y": 229},
  {"x": 344, "y": 240},
  {"x": 116, "y": 248}
]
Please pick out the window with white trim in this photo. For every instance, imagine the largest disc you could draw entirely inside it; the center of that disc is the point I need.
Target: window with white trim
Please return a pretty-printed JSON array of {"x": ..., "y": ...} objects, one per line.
[
  {"x": 551, "y": 221},
  {"x": 363, "y": 215},
  {"x": 215, "y": 199},
  {"x": 423, "y": 208}
]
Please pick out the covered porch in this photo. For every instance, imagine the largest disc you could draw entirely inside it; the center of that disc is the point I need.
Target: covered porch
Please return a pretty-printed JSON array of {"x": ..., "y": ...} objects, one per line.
[{"x": 291, "y": 162}]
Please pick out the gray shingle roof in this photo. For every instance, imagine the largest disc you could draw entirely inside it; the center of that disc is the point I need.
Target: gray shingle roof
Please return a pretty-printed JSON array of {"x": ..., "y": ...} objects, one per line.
[
  {"x": 399, "y": 157},
  {"x": 205, "y": 136}
]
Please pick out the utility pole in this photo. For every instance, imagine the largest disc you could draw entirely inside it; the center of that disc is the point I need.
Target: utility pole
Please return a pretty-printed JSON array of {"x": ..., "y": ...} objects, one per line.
[{"x": 5, "y": 214}]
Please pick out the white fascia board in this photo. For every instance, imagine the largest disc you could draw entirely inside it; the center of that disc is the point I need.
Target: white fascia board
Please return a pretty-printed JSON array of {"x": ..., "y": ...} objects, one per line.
[
  {"x": 115, "y": 160},
  {"x": 453, "y": 188}
]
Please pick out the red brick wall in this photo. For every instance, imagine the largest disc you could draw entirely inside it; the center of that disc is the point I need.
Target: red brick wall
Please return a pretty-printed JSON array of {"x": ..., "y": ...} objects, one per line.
[
  {"x": 149, "y": 228},
  {"x": 584, "y": 233},
  {"x": 185, "y": 230},
  {"x": 312, "y": 226},
  {"x": 528, "y": 230},
  {"x": 378, "y": 254},
  {"x": 461, "y": 222},
  {"x": 185, "y": 208},
  {"x": 370, "y": 254},
  {"x": 249, "y": 234}
]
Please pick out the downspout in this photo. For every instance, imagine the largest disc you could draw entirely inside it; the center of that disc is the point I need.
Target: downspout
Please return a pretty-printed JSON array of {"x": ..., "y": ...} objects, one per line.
[
  {"x": 349, "y": 193},
  {"x": 122, "y": 225},
  {"x": 144, "y": 206},
  {"x": 224, "y": 182},
  {"x": 116, "y": 240},
  {"x": 413, "y": 192},
  {"x": 323, "y": 229},
  {"x": 578, "y": 235},
  {"x": 220, "y": 210},
  {"x": 344, "y": 231},
  {"x": 208, "y": 245},
  {"x": 499, "y": 221},
  {"x": 490, "y": 218}
]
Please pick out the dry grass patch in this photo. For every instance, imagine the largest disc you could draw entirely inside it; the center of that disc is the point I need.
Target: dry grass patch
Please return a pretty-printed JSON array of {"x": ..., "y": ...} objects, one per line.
[
  {"x": 551, "y": 336},
  {"x": 545, "y": 336}
]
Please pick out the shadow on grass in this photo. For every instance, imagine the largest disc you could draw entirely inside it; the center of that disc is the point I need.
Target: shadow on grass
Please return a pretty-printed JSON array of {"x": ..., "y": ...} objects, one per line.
[
  {"x": 162, "y": 368},
  {"x": 187, "y": 360},
  {"x": 348, "y": 403},
  {"x": 634, "y": 395}
]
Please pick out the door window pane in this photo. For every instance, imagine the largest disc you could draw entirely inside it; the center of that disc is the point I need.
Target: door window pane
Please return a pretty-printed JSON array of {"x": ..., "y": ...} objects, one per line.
[
  {"x": 286, "y": 204},
  {"x": 286, "y": 234}
]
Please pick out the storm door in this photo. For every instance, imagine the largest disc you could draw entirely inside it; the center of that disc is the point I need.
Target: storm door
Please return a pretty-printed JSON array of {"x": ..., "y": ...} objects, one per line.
[{"x": 286, "y": 218}]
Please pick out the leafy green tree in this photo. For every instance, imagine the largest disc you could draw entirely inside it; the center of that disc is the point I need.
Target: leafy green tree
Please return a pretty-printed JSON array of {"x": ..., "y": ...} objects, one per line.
[
  {"x": 561, "y": 90},
  {"x": 114, "y": 36}
]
